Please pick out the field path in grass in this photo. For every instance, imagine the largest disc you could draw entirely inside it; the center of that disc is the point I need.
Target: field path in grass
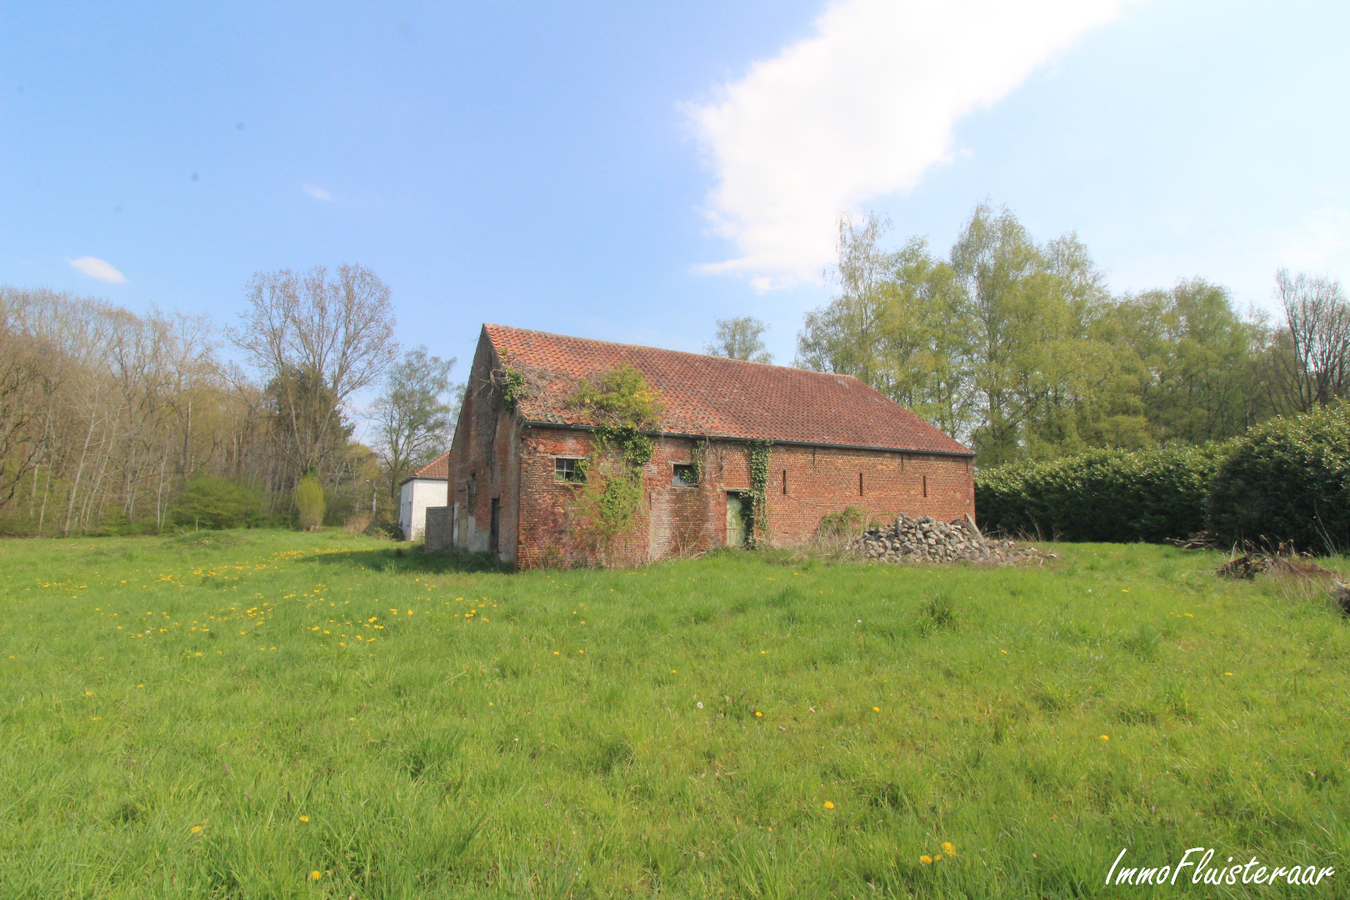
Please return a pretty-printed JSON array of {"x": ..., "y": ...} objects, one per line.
[{"x": 273, "y": 714}]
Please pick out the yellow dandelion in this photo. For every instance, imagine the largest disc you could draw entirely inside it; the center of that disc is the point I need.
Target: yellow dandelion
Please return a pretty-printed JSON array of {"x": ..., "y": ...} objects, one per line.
[
  {"x": 196, "y": 829},
  {"x": 948, "y": 849},
  {"x": 304, "y": 818},
  {"x": 758, "y": 714},
  {"x": 829, "y": 805},
  {"x": 876, "y": 709},
  {"x": 926, "y": 860},
  {"x": 1106, "y": 737},
  {"x": 315, "y": 875},
  {"x": 938, "y": 858}
]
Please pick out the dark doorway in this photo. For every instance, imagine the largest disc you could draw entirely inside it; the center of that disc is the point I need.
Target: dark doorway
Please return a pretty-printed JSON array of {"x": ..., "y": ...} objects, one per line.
[{"x": 495, "y": 534}]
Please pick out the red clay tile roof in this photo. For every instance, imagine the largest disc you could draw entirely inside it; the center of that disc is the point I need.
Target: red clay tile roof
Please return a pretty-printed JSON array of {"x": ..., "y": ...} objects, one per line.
[
  {"x": 438, "y": 469},
  {"x": 717, "y": 397}
]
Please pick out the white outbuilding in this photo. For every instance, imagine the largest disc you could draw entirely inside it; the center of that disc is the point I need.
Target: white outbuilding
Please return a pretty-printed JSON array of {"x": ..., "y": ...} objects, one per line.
[{"x": 424, "y": 488}]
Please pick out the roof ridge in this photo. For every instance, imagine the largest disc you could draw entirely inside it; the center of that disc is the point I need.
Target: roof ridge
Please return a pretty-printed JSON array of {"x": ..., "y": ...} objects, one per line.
[{"x": 572, "y": 337}]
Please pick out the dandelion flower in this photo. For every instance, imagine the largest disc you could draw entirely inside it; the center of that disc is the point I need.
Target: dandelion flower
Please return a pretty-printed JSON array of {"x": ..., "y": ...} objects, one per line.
[
  {"x": 758, "y": 714},
  {"x": 948, "y": 849},
  {"x": 876, "y": 709},
  {"x": 1106, "y": 737},
  {"x": 829, "y": 805},
  {"x": 926, "y": 860},
  {"x": 196, "y": 829},
  {"x": 304, "y": 818},
  {"x": 315, "y": 875},
  {"x": 938, "y": 858}
]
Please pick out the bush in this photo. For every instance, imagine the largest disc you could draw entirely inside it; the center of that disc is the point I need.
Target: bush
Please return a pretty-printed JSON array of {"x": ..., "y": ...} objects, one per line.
[
  {"x": 218, "y": 503},
  {"x": 1288, "y": 480},
  {"x": 846, "y": 521},
  {"x": 309, "y": 501},
  {"x": 1102, "y": 495}
]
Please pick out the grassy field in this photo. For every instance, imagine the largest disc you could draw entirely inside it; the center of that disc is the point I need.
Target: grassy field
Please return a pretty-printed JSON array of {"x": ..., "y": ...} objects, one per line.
[{"x": 267, "y": 714}]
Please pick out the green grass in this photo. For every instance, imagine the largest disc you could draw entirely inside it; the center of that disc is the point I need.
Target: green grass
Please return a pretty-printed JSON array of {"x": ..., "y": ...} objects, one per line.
[{"x": 541, "y": 734}]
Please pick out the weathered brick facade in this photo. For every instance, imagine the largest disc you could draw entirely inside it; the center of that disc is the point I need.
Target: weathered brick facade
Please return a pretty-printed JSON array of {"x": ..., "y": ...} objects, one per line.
[{"x": 505, "y": 497}]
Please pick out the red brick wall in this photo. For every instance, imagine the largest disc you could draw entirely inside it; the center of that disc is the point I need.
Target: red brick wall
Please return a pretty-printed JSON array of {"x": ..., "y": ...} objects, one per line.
[
  {"x": 826, "y": 480},
  {"x": 675, "y": 520},
  {"x": 484, "y": 464}
]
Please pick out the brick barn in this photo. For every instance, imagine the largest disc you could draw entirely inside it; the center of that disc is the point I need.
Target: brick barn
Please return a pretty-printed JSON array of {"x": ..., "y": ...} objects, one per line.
[{"x": 835, "y": 443}]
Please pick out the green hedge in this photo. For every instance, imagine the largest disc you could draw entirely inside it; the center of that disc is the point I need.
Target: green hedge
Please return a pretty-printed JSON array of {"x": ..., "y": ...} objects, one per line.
[
  {"x": 1288, "y": 480},
  {"x": 1102, "y": 495}
]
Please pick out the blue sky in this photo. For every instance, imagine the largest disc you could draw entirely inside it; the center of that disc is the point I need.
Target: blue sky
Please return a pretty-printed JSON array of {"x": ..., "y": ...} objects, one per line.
[{"x": 634, "y": 171}]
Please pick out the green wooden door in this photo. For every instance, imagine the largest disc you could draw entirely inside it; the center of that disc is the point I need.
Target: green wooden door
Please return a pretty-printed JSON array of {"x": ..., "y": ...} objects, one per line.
[{"x": 735, "y": 521}]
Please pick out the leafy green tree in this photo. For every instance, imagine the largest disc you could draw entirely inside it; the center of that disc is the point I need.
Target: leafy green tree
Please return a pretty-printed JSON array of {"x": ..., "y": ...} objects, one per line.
[
  {"x": 310, "y": 502},
  {"x": 414, "y": 416},
  {"x": 1198, "y": 359},
  {"x": 739, "y": 338}
]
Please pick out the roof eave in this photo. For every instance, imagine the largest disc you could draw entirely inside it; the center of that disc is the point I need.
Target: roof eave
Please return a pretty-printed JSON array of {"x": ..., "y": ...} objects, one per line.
[{"x": 967, "y": 454}]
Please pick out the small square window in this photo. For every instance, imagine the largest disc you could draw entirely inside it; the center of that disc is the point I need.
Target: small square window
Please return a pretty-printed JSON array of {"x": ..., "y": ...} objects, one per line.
[
  {"x": 567, "y": 470},
  {"x": 685, "y": 476}
]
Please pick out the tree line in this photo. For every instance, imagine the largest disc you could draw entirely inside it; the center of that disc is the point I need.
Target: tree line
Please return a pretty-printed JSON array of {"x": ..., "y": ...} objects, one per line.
[
  {"x": 1019, "y": 348},
  {"x": 113, "y": 422},
  {"x": 110, "y": 421}
]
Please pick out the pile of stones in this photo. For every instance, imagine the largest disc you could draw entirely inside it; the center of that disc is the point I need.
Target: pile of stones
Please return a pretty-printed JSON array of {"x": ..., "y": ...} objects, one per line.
[{"x": 927, "y": 540}]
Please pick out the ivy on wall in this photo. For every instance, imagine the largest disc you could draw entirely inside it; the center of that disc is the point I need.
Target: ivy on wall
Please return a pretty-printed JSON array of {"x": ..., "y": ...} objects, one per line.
[
  {"x": 759, "y": 490},
  {"x": 698, "y": 459},
  {"x": 624, "y": 405}
]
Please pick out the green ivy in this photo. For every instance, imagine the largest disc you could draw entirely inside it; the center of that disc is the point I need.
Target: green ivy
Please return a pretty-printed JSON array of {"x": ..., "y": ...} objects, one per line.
[
  {"x": 697, "y": 458},
  {"x": 759, "y": 489},
  {"x": 624, "y": 405},
  {"x": 513, "y": 387}
]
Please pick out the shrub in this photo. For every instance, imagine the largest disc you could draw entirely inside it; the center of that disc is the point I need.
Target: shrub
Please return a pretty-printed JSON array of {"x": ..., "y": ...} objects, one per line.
[
  {"x": 218, "y": 503},
  {"x": 1288, "y": 480},
  {"x": 1102, "y": 495},
  {"x": 846, "y": 521},
  {"x": 309, "y": 501}
]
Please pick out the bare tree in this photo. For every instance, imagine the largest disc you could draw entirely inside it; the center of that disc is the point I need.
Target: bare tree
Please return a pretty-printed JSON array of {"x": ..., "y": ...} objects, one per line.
[
  {"x": 739, "y": 338},
  {"x": 1316, "y": 355},
  {"x": 316, "y": 341}
]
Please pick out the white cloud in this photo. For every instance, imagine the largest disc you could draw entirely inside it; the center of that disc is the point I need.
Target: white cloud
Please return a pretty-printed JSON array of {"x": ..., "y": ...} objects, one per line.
[
  {"x": 97, "y": 268},
  {"x": 317, "y": 192},
  {"x": 860, "y": 110}
]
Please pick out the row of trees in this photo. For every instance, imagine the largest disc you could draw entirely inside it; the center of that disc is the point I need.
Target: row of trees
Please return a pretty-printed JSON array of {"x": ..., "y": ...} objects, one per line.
[
  {"x": 111, "y": 421},
  {"x": 1020, "y": 349}
]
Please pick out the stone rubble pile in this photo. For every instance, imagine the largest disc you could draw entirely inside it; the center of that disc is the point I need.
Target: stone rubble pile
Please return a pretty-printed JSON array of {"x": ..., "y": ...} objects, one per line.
[{"x": 927, "y": 540}]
